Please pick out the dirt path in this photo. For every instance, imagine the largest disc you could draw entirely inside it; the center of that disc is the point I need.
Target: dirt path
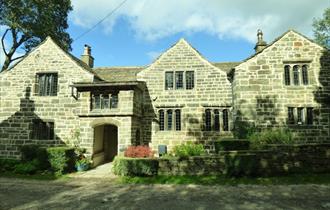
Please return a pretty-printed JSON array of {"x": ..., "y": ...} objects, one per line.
[{"x": 83, "y": 193}]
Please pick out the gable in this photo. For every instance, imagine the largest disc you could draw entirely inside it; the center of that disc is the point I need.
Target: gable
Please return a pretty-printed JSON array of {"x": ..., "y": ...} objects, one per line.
[
  {"x": 180, "y": 55},
  {"x": 49, "y": 51}
]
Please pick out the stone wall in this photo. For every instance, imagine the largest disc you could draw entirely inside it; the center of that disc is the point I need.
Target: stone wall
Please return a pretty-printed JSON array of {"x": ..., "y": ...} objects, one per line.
[
  {"x": 212, "y": 90},
  {"x": 261, "y": 97},
  {"x": 19, "y": 105},
  {"x": 278, "y": 160}
]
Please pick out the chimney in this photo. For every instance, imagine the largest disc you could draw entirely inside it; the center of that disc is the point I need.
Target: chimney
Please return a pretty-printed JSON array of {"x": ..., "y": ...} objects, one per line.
[
  {"x": 87, "y": 57},
  {"x": 261, "y": 44}
]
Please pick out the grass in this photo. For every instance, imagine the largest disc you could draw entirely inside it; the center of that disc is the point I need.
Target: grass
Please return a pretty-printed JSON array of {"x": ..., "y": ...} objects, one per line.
[
  {"x": 45, "y": 176},
  {"x": 221, "y": 180}
]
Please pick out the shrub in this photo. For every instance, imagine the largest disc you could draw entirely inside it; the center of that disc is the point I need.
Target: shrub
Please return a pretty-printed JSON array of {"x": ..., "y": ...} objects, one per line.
[
  {"x": 276, "y": 136},
  {"x": 30, "y": 167},
  {"x": 8, "y": 164},
  {"x": 35, "y": 152},
  {"x": 138, "y": 152},
  {"x": 228, "y": 145},
  {"x": 189, "y": 149},
  {"x": 61, "y": 159},
  {"x": 124, "y": 166}
]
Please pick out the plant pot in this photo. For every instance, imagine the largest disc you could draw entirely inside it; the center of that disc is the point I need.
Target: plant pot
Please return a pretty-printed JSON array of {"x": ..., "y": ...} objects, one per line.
[{"x": 82, "y": 167}]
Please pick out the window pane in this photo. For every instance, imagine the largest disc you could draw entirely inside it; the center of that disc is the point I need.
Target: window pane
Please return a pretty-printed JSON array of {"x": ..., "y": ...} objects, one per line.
[
  {"x": 168, "y": 80},
  {"x": 290, "y": 115},
  {"x": 225, "y": 120},
  {"x": 287, "y": 74},
  {"x": 105, "y": 101},
  {"x": 296, "y": 75},
  {"x": 114, "y": 101},
  {"x": 216, "y": 120},
  {"x": 42, "y": 130},
  {"x": 208, "y": 120},
  {"x": 305, "y": 74},
  {"x": 300, "y": 115},
  {"x": 169, "y": 119},
  {"x": 189, "y": 80},
  {"x": 178, "y": 120},
  {"x": 309, "y": 119},
  {"x": 97, "y": 102},
  {"x": 161, "y": 120},
  {"x": 179, "y": 80}
]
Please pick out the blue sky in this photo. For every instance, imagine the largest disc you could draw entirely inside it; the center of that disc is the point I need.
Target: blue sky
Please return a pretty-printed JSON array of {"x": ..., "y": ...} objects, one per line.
[{"x": 221, "y": 30}]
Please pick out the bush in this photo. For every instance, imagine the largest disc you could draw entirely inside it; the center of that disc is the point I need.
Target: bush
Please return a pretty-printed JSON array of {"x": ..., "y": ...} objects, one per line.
[
  {"x": 61, "y": 159},
  {"x": 30, "y": 167},
  {"x": 37, "y": 154},
  {"x": 229, "y": 145},
  {"x": 124, "y": 166},
  {"x": 8, "y": 164},
  {"x": 276, "y": 136},
  {"x": 138, "y": 152},
  {"x": 189, "y": 149}
]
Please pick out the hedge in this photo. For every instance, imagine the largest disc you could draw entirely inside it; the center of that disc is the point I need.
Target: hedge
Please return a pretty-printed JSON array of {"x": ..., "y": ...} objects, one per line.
[
  {"x": 229, "y": 145},
  {"x": 124, "y": 166},
  {"x": 61, "y": 159}
]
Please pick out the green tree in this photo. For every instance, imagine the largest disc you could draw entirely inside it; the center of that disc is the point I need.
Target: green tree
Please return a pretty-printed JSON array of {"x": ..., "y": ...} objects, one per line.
[
  {"x": 29, "y": 22},
  {"x": 322, "y": 29}
]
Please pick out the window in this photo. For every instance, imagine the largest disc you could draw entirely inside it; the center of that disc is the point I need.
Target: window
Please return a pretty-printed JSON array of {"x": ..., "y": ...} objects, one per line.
[
  {"x": 287, "y": 74},
  {"x": 309, "y": 119},
  {"x": 304, "y": 71},
  {"x": 300, "y": 115},
  {"x": 299, "y": 75},
  {"x": 304, "y": 115},
  {"x": 43, "y": 130},
  {"x": 208, "y": 119},
  {"x": 46, "y": 84},
  {"x": 171, "y": 116},
  {"x": 168, "y": 80},
  {"x": 179, "y": 80},
  {"x": 114, "y": 101},
  {"x": 225, "y": 120},
  {"x": 161, "y": 120},
  {"x": 182, "y": 80},
  {"x": 178, "y": 119},
  {"x": 104, "y": 101},
  {"x": 190, "y": 80},
  {"x": 216, "y": 120},
  {"x": 169, "y": 119},
  {"x": 290, "y": 115},
  {"x": 296, "y": 75}
]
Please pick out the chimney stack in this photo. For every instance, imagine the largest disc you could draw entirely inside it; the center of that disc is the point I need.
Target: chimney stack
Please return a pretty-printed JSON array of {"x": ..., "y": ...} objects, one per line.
[
  {"x": 261, "y": 44},
  {"x": 87, "y": 57}
]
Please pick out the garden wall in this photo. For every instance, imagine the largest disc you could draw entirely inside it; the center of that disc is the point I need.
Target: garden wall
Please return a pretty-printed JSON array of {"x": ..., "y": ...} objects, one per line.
[{"x": 276, "y": 160}]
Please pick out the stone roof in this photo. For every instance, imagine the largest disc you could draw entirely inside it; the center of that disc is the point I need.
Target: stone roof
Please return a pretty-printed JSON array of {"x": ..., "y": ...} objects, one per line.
[
  {"x": 118, "y": 74},
  {"x": 226, "y": 66}
]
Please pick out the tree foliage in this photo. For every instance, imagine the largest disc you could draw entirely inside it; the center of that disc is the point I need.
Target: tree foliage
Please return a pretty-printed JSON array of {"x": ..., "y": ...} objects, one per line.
[
  {"x": 29, "y": 22},
  {"x": 322, "y": 29}
]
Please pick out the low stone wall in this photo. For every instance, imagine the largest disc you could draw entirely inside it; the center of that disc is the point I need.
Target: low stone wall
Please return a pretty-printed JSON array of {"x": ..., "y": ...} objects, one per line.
[
  {"x": 204, "y": 165},
  {"x": 276, "y": 160}
]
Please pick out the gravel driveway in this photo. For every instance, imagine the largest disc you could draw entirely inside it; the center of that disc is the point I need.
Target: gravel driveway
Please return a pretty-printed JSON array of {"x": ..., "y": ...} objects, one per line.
[{"x": 83, "y": 193}]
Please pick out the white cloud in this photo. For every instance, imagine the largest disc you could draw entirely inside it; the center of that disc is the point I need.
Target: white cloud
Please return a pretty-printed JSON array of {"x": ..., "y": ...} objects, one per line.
[{"x": 238, "y": 19}]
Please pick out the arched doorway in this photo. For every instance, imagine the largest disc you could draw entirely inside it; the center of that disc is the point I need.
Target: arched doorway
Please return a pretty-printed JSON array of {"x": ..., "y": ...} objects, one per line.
[{"x": 105, "y": 143}]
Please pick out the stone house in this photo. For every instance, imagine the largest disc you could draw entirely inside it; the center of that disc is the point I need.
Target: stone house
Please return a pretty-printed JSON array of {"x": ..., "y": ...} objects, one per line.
[{"x": 51, "y": 97}]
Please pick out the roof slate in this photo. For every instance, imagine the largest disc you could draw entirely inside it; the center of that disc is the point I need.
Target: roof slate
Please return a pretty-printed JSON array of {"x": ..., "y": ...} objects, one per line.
[{"x": 118, "y": 74}]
